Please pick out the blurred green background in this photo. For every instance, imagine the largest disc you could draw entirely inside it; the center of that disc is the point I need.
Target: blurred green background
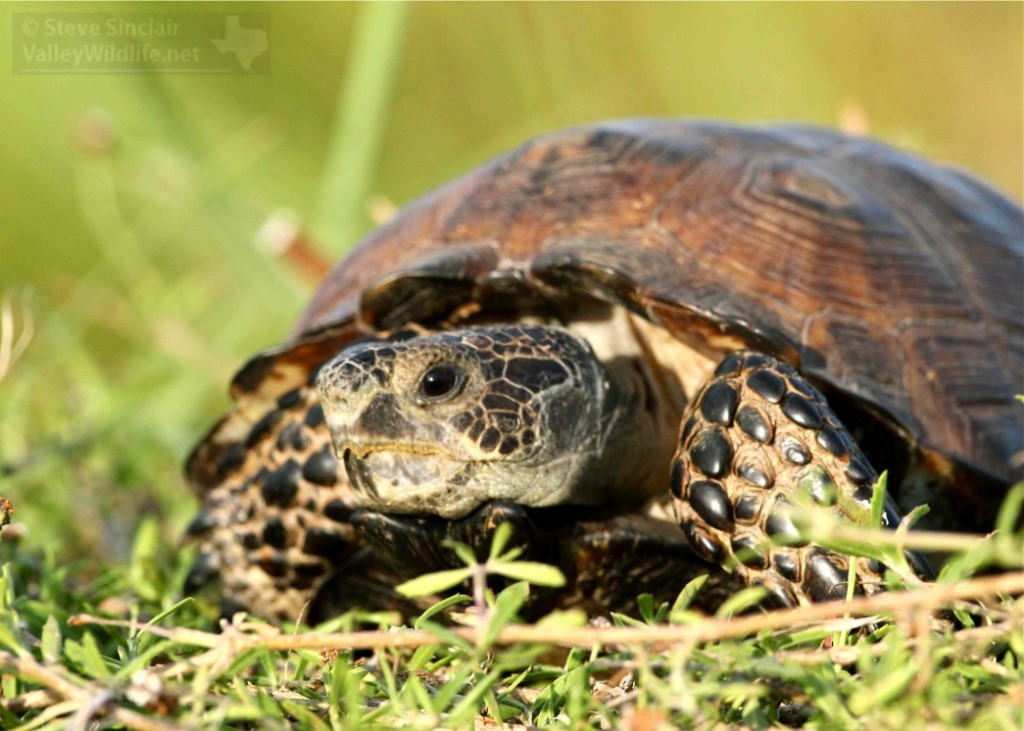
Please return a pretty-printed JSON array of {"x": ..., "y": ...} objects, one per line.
[{"x": 131, "y": 203}]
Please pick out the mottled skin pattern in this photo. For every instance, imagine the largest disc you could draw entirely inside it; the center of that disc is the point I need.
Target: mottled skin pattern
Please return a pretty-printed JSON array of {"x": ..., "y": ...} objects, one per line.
[
  {"x": 892, "y": 285},
  {"x": 439, "y": 424},
  {"x": 278, "y": 523}
]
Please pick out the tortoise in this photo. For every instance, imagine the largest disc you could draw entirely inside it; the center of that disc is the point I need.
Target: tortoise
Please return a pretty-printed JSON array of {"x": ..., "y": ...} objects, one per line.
[{"x": 639, "y": 342}]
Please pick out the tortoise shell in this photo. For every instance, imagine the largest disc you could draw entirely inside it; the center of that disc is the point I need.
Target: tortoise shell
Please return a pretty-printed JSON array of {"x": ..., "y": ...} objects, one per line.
[{"x": 895, "y": 285}]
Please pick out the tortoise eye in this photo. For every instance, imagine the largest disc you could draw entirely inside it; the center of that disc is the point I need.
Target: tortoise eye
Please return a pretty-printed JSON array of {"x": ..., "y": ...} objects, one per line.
[{"x": 441, "y": 382}]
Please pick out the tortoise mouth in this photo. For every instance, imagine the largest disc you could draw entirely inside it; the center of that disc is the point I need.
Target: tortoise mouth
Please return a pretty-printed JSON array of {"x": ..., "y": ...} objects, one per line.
[{"x": 401, "y": 476}]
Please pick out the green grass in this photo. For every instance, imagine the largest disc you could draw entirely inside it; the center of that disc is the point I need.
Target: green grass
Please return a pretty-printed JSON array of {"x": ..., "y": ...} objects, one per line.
[
  {"x": 127, "y": 653},
  {"x": 147, "y": 192}
]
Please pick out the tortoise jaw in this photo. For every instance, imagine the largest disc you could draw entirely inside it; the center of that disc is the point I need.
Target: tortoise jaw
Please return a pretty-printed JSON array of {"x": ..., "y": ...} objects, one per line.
[
  {"x": 400, "y": 479},
  {"x": 359, "y": 474}
]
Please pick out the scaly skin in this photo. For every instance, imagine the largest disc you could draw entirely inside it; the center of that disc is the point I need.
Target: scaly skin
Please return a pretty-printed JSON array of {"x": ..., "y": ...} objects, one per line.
[
  {"x": 756, "y": 440},
  {"x": 441, "y": 423}
]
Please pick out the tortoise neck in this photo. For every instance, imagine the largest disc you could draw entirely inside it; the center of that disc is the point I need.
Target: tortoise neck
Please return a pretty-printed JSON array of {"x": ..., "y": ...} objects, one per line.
[{"x": 638, "y": 438}]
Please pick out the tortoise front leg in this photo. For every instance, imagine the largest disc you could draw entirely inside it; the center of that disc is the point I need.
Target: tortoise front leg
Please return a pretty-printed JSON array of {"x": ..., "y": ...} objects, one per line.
[{"x": 754, "y": 439}]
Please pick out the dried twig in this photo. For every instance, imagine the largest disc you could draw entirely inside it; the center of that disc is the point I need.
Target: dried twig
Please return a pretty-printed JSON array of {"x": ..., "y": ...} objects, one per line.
[
  {"x": 282, "y": 235},
  {"x": 47, "y": 676},
  {"x": 82, "y": 702},
  {"x": 234, "y": 641},
  {"x": 11, "y": 347},
  {"x": 134, "y": 720}
]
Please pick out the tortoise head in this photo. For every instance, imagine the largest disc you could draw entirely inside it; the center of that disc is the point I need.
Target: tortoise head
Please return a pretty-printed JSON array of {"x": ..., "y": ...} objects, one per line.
[{"x": 441, "y": 423}]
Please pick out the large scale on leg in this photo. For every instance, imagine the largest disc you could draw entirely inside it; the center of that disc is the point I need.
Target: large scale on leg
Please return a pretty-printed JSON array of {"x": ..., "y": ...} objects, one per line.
[{"x": 715, "y": 285}]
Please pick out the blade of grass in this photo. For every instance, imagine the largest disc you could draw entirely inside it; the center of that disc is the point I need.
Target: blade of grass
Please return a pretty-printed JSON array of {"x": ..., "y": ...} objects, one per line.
[{"x": 360, "y": 121}]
